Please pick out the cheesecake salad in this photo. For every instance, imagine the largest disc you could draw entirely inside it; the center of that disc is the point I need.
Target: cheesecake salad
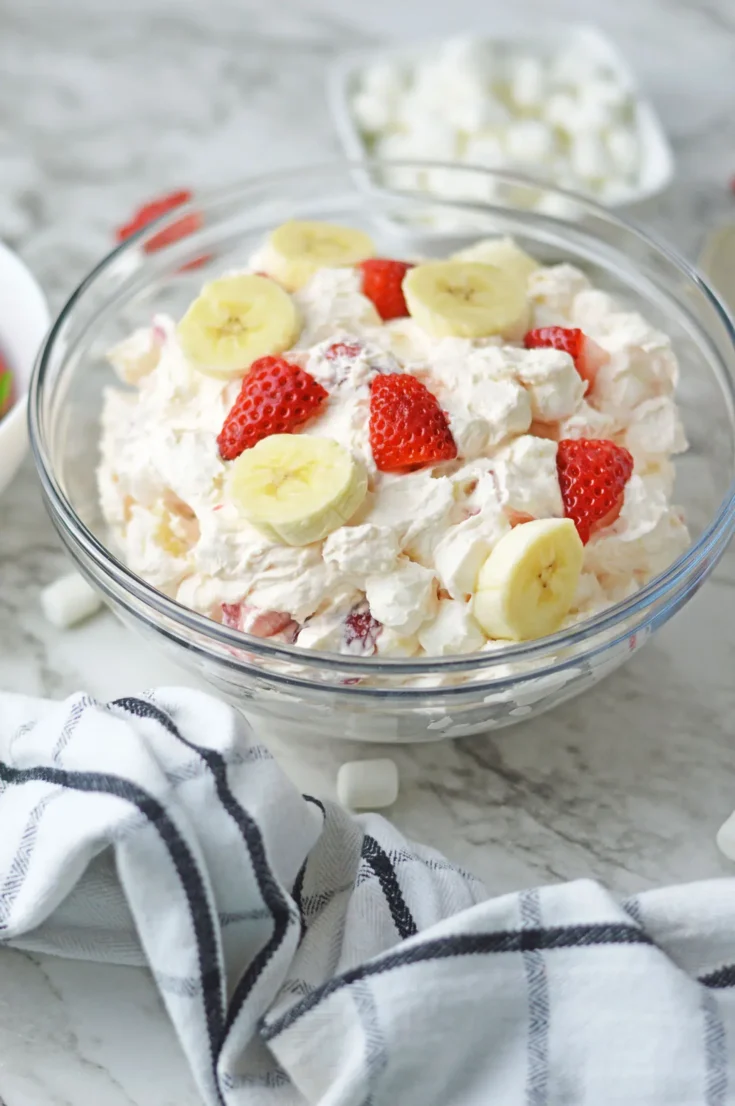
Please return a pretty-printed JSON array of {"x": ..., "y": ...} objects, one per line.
[{"x": 371, "y": 456}]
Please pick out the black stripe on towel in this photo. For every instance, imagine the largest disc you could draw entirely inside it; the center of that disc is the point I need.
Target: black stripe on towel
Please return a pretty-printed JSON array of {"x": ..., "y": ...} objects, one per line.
[
  {"x": 315, "y": 802},
  {"x": 467, "y": 944},
  {"x": 381, "y": 865},
  {"x": 720, "y": 978},
  {"x": 297, "y": 894},
  {"x": 213, "y": 992},
  {"x": 268, "y": 887}
]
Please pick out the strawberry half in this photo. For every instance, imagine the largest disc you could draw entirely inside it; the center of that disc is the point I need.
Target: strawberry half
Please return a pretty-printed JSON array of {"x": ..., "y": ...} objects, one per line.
[
  {"x": 588, "y": 357},
  {"x": 408, "y": 428},
  {"x": 382, "y": 282},
  {"x": 6, "y": 388},
  {"x": 592, "y": 477},
  {"x": 275, "y": 398}
]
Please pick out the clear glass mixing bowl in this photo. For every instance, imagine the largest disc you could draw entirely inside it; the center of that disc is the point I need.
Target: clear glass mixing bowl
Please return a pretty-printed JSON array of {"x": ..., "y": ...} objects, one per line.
[{"x": 372, "y": 699}]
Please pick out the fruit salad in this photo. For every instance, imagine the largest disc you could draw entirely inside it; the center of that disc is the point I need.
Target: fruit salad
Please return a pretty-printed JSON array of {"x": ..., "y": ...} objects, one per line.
[{"x": 392, "y": 456}]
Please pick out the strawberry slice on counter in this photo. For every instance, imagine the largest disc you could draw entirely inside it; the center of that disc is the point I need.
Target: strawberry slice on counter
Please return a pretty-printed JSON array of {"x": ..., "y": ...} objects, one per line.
[
  {"x": 592, "y": 477},
  {"x": 6, "y": 388},
  {"x": 408, "y": 428},
  {"x": 587, "y": 355},
  {"x": 382, "y": 282},
  {"x": 275, "y": 398},
  {"x": 154, "y": 210}
]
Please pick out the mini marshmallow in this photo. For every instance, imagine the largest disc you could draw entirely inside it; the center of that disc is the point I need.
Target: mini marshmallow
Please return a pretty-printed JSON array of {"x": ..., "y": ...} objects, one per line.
[
  {"x": 606, "y": 92},
  {"x": 589, "y": 157},
  {"x": 558, "y": 207},
  {"x": 470, "y": 101},
  {"x": 486, "y": 148},
  {"x": 622, "y": 144},
  {"x": 530, "y": 141},
  {"x": 69, "y": 600},
  {"x": 385, "y": 80},
  {"x": 528, "y": 82},
  {"x": 368, "y": 784},
  {"x": 726, "y": 837},
  {"x": 562, "y": 110},
  {"x": 374, "y": 113}
]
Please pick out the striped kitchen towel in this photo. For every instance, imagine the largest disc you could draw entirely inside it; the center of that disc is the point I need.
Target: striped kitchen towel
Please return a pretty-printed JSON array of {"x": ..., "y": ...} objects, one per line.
[{"x": 307, "y": 956}]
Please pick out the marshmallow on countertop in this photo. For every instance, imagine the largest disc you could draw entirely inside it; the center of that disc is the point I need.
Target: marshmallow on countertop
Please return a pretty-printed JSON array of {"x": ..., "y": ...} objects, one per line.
[
  {"x": 368, "y": 784},
  {"x": 69, "y": 600}
]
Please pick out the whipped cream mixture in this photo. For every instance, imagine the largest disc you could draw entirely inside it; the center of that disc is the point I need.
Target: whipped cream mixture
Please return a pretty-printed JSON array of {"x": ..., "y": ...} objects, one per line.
[{"x": 398, "y": 579}]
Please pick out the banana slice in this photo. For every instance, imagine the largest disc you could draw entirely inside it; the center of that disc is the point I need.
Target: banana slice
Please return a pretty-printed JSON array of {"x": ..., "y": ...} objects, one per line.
[
  {"x": 503, "y": 253},
  {"x": 236, "y": 320},
  {"x": 296, "y": 488},
  {"x": 466, "y": 299},
  {"x": 295, "y": 250},
  {"x": 528, "y": 582}
]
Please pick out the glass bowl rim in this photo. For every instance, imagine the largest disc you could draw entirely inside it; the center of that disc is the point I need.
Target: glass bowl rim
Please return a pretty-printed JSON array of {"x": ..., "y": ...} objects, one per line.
[{"x": 662, "y": 585}]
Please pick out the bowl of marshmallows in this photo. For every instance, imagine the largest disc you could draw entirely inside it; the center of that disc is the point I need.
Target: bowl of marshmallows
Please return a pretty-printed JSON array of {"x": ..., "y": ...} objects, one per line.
[{"x": 560, "y": 106}]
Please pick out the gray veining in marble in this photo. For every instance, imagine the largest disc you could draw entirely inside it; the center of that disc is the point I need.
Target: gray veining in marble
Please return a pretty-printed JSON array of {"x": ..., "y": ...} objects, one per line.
[{"x": 100, "y": 110}]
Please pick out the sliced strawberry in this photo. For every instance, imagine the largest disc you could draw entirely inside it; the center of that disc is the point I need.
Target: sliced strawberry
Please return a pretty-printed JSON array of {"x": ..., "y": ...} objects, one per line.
[
  {"x": 518, "y": 518},
  {"x": 275, "y": 398},
  {"x": 592, "y": 478},
  {"x": 151, "y": 211},
  {"x": 587, "y": 355},
  {"x": 342, "y": 349},
  {"x": 408, "y": 428},
  {"x": 548, "y": 430},
  {"x": 253, "y": 620},
  {"x": 184, "y": 226},
  {"x": 146, "y": 214},
  {"x": 382, "y": 282},
  {"x": 6, "y": 388},
  {"x": 361, "y": 631}
]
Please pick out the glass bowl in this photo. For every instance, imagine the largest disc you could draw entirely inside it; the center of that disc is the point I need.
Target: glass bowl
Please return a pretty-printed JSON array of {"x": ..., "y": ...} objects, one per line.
[{"x": 371, "y": 699}]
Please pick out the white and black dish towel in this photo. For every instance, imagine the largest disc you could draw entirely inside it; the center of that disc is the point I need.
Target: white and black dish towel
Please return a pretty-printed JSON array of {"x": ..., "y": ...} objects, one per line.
[{"x": 306, "y": 956}]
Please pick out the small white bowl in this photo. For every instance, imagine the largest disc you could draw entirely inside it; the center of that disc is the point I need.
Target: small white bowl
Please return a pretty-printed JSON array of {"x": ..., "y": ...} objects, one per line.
[
  {"x": 657, "y": 163},
  {"x": 24, "y": 320}
]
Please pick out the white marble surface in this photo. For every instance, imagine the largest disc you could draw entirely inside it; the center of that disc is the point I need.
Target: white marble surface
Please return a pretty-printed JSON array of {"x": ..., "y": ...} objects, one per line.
[{"x": 99, "y": 110}]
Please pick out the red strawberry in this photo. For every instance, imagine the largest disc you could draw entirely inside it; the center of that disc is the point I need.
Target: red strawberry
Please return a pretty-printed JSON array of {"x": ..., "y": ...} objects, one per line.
[
  {"x": 154, "y": 210},
  {"x": 382, "y": 282},
  {"x": 361, "y": 631},
  {"x": 408, "y": 428},
  {"x": 275, "y": 398},
  {"x": 253, "y": 620},
  {"x": 6, "y": 388},
  {"x": 592, "y": 478},
  {"x": 342, "y": 349},
  {"x": 588, "y": 357}
]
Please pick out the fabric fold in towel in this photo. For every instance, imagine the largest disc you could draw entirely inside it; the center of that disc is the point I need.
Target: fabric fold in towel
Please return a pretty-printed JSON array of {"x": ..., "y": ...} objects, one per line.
[{"x": 308, "y": 956}]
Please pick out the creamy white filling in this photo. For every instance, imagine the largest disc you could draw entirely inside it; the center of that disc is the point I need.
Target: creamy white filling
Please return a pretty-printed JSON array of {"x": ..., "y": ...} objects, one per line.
[{"x": 416, "y": 545}]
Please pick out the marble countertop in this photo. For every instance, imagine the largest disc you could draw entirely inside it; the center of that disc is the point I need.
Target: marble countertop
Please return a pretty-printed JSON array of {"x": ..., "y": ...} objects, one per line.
[{"x": 627, "y": 784}]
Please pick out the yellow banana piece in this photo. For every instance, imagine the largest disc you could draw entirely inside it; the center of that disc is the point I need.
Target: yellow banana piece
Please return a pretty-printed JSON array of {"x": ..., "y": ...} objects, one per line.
[
  {"x": 234, "y": 321},
  {"x": 297, "y": 488},
  {"x": 466, "y": 299},
  {"x": 295, "y": 250},
  {"x": 527, "y": 585},
  {"x": 503, "y": 253}
]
